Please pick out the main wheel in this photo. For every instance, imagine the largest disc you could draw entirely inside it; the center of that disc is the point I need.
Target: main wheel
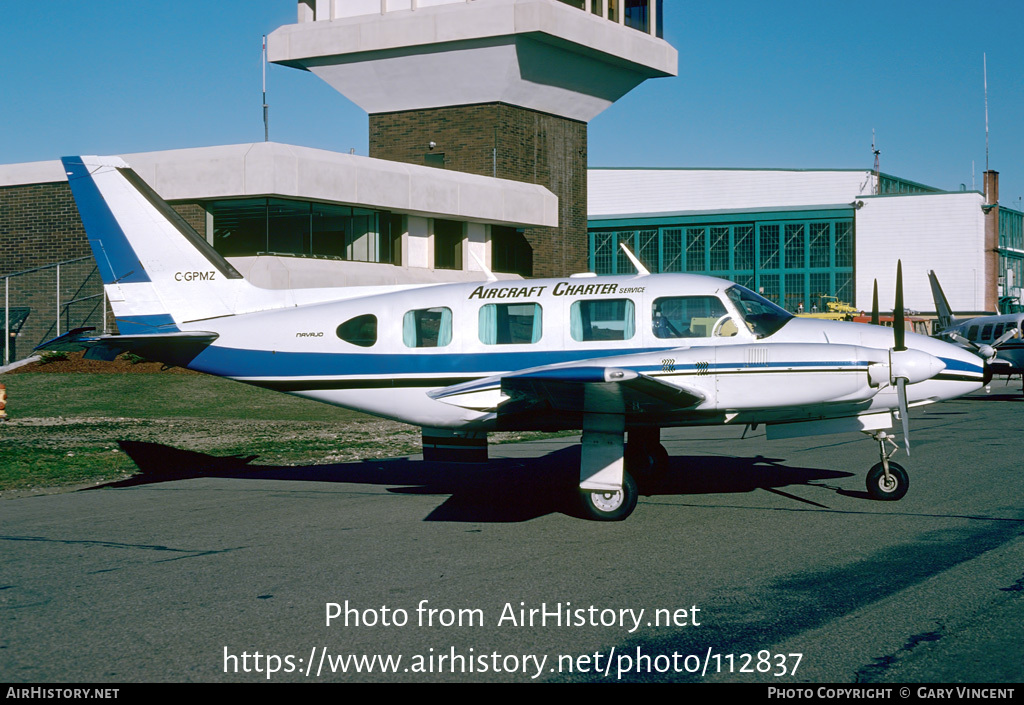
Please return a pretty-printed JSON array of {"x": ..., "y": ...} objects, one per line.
[
  {"x": 646, "y": 459},
  {"x": 890, "y": 489},
  {"x": 610, "y": 505}
]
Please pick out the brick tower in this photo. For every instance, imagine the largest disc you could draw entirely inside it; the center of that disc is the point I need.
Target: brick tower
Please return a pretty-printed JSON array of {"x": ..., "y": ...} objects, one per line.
[{"x": 500, "y": 88}]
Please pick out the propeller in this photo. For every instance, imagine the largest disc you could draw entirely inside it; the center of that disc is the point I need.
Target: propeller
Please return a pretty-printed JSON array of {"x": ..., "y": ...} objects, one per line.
[
  {"x": 899, "y": 336},
  {"x": 987, "y": 352},
  {"x": 906, "y": 366},
  {"x": 874, "y": 305}
]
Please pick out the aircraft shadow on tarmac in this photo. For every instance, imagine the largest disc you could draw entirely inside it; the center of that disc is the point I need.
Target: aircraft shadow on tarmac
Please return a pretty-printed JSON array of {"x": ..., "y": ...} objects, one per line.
[{"x": 502, "y": 490}]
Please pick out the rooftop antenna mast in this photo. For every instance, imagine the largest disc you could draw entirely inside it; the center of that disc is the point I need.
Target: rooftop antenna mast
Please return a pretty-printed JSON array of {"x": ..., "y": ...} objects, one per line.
[
  {"x": 984, "y": 69},
  {"x": 266, "y": 123},
  {"x": 876, "y": 152}
]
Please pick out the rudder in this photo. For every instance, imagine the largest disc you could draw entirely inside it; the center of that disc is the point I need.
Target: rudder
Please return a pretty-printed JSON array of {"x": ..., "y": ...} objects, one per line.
[{"x": 156, "y": 269}]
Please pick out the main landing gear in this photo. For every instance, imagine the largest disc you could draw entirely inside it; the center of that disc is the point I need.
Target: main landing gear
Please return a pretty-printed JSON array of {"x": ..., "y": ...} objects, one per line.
[
  {"x": 611, "y": 505},
  {"x": 887, "y": 480},
  {"x": 606, "y": 458}
]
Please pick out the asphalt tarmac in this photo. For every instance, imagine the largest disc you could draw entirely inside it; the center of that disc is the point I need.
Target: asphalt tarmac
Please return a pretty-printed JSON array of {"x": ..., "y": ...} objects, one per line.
[{"x": 748, "y": 561}]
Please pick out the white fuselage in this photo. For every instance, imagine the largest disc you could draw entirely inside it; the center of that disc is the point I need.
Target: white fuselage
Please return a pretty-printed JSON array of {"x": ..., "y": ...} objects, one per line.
[{"x": 804, "y": 370}]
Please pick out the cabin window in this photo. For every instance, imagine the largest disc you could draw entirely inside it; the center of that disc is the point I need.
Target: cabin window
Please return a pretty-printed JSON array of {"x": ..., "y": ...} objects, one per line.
[
  {"x": 361, "y": 330},
  {"x": 691, "y": 317},
  {"x": 998, "y": 331},
  {"x": 986, "y": 332},
  {"x": 427, "y": 328},
  {"x": 510, "y": 324},
  {"x": 972, "y": 334},
  {"x": 606, "y": 319}
]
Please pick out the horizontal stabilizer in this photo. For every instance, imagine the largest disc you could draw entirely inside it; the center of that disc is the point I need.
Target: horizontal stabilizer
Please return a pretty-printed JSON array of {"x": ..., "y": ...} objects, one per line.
[{"x": 176, "y": 349}]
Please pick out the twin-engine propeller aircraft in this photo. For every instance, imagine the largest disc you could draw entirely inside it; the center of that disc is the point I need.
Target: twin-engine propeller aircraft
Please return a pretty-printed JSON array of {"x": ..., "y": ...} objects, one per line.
[
  {"x": 995, "y": 338},
  {"x": 618, "y": 357}
]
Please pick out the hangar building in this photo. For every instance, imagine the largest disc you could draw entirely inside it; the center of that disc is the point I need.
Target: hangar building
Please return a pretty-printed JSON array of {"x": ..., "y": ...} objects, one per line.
[{"x": 799, "y": 235}]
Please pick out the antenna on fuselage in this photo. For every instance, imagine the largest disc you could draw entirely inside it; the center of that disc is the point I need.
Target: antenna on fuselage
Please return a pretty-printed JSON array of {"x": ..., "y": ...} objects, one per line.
[
  {"x": 487, "y": 270},
  {"x": 640, "y": 269}
]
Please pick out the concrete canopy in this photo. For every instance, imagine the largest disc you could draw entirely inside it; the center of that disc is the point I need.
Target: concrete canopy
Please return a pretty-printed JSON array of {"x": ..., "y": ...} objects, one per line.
[
  {"x": 272, "y": 169},
  {"x": 536, "y": 54}
]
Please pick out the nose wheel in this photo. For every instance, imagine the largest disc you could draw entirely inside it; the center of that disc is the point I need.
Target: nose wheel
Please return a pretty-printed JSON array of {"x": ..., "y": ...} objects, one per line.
[{"x": 887, "y": 480}]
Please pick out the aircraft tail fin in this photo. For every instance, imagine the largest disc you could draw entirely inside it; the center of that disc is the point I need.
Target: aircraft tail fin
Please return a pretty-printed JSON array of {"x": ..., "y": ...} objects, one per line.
[
  {"x": 157, "y": 270},
  {"x": 944, "y": 315}
]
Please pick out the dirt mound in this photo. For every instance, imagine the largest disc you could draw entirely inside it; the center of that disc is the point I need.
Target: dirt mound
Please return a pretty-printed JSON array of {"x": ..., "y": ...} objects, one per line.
[{"x": 75, "y": 362}]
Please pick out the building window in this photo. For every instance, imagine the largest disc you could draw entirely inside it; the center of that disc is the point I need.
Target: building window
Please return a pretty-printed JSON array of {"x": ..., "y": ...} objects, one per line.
[
  {"x": 821, "y": 289},
  {"x": 844, "y": 244},
  {"x": 638, "y": 15},
  {"x": 820, "y": 245},
  {"x": 252, "y": 226},
  {"x": 719, "y": 236},
  {"x": 695, "y": 250},
  {"x": 796, "y": 236},
  {"x": 510, "y": 251},
  {"x": 605, "y": 319},
  {"x": 672, "y": 250},
  {"x": 769, "y": 287},
  {"x": 447, "y": 244},
  {"x": 361, "y": 330},
  {"x": 602, "y": 249},
  {"x": 622, "y": 263},
  {"x": 795, "y": 299},
  {"x": 743, "y": 250},
  {"x": 510, "y": 324},
  {"x": 768, "y": 254},
  {"x": 427, "y": 328},
  {"x": 647, "y": 249}
]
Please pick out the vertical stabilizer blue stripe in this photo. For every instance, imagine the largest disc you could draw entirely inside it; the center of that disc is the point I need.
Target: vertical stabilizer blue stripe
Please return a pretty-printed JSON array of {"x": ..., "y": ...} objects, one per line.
[{"x": 115, "y": 258}]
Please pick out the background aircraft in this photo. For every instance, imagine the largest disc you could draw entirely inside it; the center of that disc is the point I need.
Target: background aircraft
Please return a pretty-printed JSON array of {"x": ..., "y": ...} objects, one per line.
[
  {"x": 618, "y": 357},
  {"x": 995, "y": 338}
]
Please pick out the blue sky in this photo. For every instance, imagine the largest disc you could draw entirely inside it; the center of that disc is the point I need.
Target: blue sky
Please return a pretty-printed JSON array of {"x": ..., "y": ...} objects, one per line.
[{"x": 761, "y": 84}]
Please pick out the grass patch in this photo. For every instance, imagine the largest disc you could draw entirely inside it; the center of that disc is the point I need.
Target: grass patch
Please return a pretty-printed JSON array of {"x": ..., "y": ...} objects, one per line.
[
  {"x": 67, "y": 429},
  {"x": 153, "y": 396}
]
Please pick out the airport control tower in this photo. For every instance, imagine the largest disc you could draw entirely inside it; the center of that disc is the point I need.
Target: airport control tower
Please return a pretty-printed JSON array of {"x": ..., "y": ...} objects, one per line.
[{"x": 499, "y": 88}]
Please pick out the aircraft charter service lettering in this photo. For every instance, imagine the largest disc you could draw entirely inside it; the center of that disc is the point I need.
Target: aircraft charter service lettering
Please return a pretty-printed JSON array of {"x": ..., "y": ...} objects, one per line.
[{"x": 560, "y": 289}]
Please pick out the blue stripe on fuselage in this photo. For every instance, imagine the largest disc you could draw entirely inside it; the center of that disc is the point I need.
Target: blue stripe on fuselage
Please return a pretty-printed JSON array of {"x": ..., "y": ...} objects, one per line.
[
  {"x": 235, "y": 362},
  {"x": 962, "y": 366},
  {"x": 115, "y": 258}
]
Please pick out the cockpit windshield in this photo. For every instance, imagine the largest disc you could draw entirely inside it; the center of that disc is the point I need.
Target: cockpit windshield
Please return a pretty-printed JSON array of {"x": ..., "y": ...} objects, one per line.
[{"x": 761, "y": 316}]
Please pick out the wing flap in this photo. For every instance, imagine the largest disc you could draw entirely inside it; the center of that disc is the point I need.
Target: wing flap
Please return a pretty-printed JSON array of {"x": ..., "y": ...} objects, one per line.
[{"x": 576, "y": 389}]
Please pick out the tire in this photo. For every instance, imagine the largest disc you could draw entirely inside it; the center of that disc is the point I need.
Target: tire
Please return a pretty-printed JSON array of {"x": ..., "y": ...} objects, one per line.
[
  {"x": 877, "y": 487},
  {"x": 610, "y": 506},
  {"x": 646, "y": 461}
]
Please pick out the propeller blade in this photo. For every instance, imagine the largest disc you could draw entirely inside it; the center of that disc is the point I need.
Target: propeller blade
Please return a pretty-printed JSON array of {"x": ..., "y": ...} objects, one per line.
[
  {"x": 962, "y": 340},
  {"x": 901, "y": 390},
  {"x": 1012, "y": 333},
  {"x": 898, "y": 321},
  {"x": 874, "y": 306}
]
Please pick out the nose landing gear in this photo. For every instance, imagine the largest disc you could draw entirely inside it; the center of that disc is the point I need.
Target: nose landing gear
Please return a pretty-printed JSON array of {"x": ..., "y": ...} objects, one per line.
[{"x": 887, "y": 480}]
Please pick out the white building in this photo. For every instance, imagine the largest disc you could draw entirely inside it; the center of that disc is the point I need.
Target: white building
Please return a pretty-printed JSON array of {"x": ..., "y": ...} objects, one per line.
[{"x": 799, "y": 235}]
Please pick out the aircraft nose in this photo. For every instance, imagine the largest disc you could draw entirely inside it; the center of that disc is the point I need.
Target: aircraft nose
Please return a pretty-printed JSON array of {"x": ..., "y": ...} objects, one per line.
[{"x": 914, "y": 365}]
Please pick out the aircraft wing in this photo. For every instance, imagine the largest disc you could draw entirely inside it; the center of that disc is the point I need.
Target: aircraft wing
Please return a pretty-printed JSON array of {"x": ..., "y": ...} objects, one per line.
[
  {"x": 176, "y": 348},
  {"x": 582, "y": 387}
]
